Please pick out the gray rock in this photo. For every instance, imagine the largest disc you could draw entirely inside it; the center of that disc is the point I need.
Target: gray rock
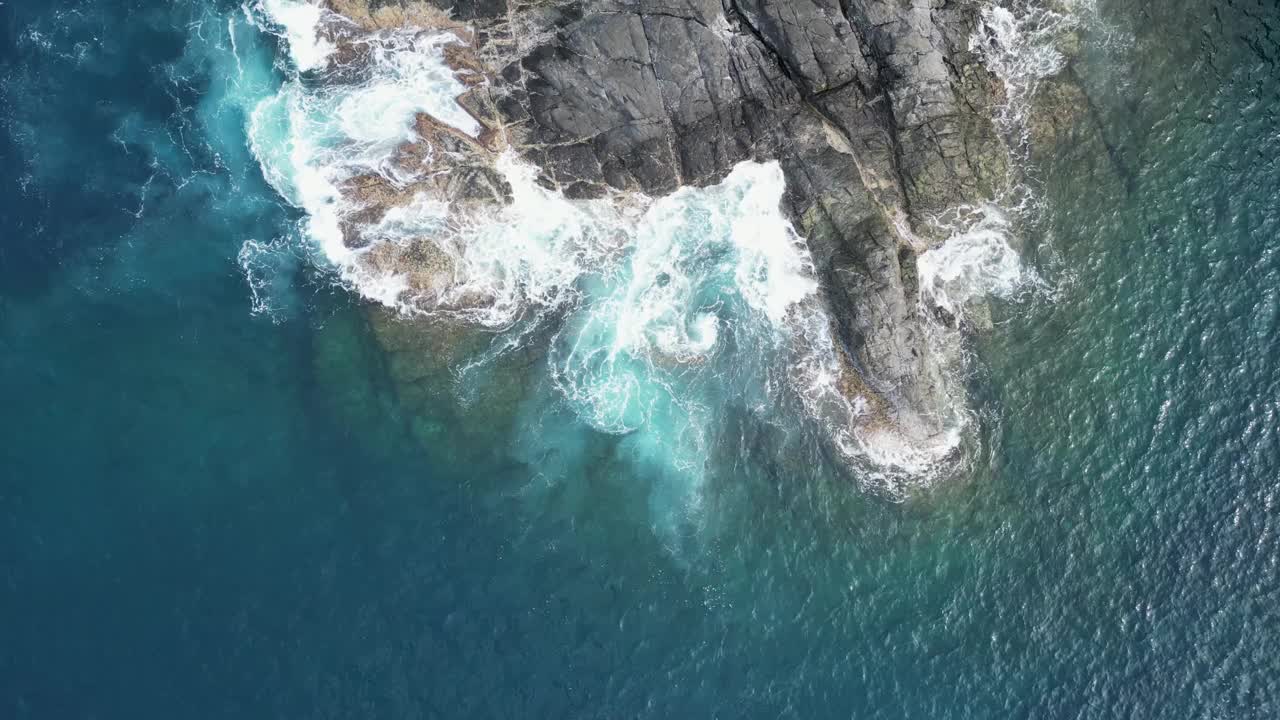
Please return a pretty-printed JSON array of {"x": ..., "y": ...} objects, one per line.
[{"x": 878, "y": 111}]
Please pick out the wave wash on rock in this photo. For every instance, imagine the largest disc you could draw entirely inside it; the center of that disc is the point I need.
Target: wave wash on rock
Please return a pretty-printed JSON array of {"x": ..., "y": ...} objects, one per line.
[{"x": 496, "y": 163}]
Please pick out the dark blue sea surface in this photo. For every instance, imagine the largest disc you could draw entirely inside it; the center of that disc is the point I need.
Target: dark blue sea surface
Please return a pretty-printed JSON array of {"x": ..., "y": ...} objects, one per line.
[{"x": 218, "y": 499}]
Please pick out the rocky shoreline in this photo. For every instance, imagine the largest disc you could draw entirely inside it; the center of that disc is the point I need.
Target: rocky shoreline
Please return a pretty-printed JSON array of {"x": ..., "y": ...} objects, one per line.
[{"x": 880, "y": 112}]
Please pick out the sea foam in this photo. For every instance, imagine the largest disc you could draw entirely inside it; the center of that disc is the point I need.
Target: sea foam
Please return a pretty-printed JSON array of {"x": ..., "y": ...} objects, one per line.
[
  {"x": 975, "y": 262},
  {"x": 1021, "y": 46},
  {"x": 312, "y": 138},
  {"x": 299, "y": 24}
]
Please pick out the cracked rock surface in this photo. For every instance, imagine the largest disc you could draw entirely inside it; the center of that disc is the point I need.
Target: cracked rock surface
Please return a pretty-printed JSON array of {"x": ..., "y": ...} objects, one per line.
[{"x": 878, "y": 111}]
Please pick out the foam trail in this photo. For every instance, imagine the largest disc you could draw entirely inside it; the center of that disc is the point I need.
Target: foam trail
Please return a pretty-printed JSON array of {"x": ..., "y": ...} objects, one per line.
[
  {"x": 267, "y": 268},
  {"x": 411, "y": 77},
  {"x": 701, "y": 260}
]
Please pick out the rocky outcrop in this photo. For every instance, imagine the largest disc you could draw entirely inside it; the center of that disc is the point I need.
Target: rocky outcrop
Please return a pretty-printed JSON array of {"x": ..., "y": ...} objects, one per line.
[{"x": 878, "y": 111}]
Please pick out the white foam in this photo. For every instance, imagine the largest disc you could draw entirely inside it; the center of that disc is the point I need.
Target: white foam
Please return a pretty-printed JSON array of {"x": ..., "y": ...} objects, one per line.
[
  {"x": 266, "y": 267},
  {"x": 775, "y": 270},
  {"x": 660, "y": 311},
  {"x": 1021, "y": 48},
  {"x": 975, "y": 262},
  {"x": 310, "y": 140},
  {"x": 694, "y": 241},
  {"x": 527, "y": 255},
  {"x": 898, "y": 461},
  {"x": 299, "y": 24},
  {"x": 410, "y": 76}
]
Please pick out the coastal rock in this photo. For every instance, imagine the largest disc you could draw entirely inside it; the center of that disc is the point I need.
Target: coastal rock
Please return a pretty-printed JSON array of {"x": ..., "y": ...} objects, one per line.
[
  {"x": 422, "y": 362},
  {"x": 878, "y": 111}
]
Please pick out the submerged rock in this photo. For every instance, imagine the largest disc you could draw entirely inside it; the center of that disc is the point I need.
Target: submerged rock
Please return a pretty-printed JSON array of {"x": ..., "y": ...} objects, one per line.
[{"x": 450, "y": 413}]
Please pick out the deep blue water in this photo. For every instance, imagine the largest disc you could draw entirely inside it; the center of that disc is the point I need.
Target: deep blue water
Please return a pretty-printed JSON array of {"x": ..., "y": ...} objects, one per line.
[{"x": 208, "y": 512}]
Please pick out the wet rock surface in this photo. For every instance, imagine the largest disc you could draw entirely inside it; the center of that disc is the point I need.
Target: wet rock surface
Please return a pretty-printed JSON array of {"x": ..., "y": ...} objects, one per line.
[{"x": 879, "y": 111}]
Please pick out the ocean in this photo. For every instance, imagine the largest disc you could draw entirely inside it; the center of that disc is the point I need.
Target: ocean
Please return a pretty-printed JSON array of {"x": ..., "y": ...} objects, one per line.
[{"x": 235, "y": 484}]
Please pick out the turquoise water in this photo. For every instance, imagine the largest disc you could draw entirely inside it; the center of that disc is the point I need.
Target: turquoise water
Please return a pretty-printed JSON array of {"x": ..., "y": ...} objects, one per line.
[{"x": 220, "y": 495}]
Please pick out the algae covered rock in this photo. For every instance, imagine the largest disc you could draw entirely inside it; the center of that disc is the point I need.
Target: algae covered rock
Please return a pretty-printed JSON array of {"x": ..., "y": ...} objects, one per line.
[
  {"x": 358, "y": 393},
  {"x": 453, "y": 402}
]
